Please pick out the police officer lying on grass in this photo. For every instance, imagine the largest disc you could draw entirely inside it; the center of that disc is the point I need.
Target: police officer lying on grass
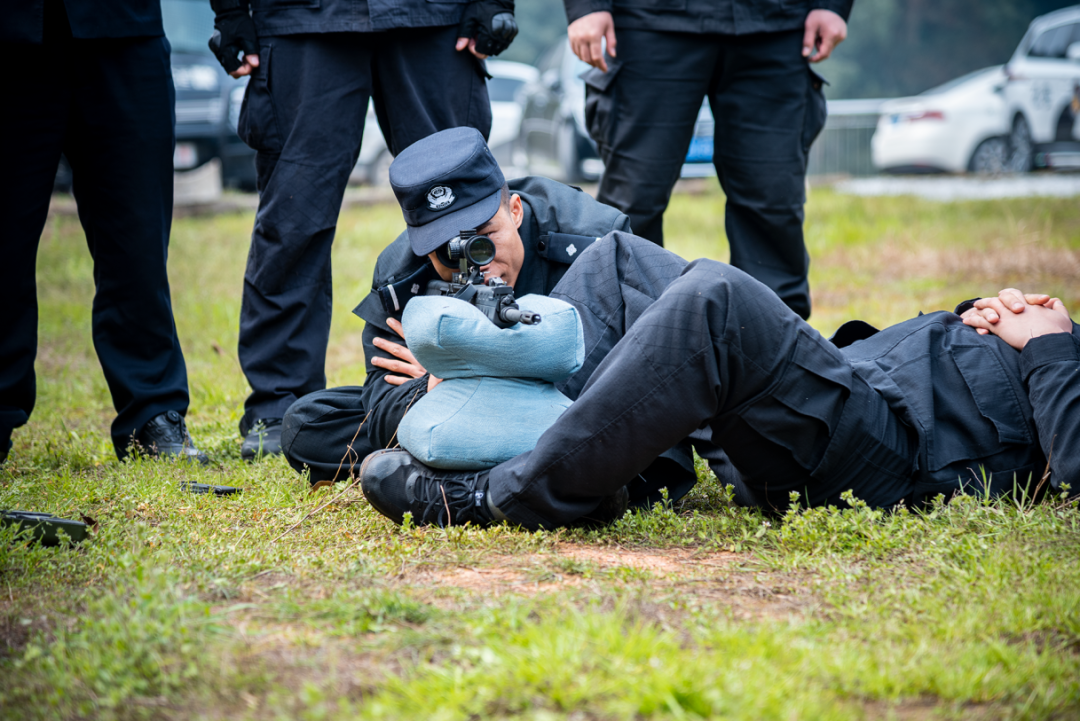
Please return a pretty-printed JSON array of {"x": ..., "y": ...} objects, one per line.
[{"x": 703, "y": 351}]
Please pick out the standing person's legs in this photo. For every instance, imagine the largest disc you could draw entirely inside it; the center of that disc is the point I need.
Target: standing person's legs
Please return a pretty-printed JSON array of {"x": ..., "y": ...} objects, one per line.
[
  {"x": 423, "y": 85},
  {"x": 40, "y": 93},
  {"x": 717, "y": 349},
  {"x": 304, "y": 115},
  {"x": 768, "y": 108},
  {"x": 120, "y": 147},
  {"x": 641, "y": 114}
]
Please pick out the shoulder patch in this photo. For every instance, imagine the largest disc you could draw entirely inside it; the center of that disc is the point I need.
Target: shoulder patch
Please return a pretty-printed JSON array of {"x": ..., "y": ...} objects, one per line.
[{"x": 563, "y": 247}]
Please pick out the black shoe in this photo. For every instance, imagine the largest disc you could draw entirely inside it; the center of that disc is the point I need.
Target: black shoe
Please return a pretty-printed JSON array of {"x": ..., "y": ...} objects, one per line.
[
  {"x": 166, "y": 436},
  {"x": 395, "y": 483},
  {"x": 5, "y": 444},
  {"x": 611, "y": 509},
  {"x": 264, "y": 439}
]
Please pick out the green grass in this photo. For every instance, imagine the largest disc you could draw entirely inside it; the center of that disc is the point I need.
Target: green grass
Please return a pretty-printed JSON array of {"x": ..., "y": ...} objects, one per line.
[{"x": 263, "y": 606}]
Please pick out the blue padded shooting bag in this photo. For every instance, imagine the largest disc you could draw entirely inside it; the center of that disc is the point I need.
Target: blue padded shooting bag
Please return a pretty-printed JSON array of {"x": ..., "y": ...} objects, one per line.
[{"x": 498, "y": 394}]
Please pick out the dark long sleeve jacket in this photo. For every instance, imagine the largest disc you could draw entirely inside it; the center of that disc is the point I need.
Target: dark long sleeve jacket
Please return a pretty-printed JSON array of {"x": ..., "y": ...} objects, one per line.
[
  {"x": 291, "y": 17},
  {"x": 725, "y": 17},
  {"x": 973, "y": 399},
  {"x": 23, "y": 21}
]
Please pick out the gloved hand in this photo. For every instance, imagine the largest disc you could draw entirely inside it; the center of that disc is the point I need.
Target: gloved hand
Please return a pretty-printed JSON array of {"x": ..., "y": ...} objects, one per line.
[
  {"x": 492, "y": 23},
  {"x": 234, "y": 34}
]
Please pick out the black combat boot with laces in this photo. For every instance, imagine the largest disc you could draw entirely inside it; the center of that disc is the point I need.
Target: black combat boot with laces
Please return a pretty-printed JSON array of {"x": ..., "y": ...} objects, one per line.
[{"x": 395, "y": 483}]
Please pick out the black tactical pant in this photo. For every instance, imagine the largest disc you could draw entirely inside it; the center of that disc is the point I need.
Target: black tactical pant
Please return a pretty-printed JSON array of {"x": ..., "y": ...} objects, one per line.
[
  {"x": 107, "y": 104},
  {"x": 768, "y": 108},
  {"x": 716, "y": 357},
  {"x": 304, "y": 114}
]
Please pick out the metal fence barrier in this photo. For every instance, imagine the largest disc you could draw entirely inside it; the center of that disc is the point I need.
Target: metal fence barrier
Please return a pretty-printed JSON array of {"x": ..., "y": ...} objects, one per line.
[{"x": 843, "y": 147}]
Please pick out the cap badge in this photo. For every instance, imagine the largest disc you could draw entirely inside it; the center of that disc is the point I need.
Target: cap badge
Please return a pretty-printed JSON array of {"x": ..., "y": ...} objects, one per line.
[{"x": 440, "y": 197}]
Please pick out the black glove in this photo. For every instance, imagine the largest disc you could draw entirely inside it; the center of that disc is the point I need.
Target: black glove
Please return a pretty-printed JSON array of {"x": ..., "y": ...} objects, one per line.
[
  {"x": 491, "y": 22},
  {"x": 234, "y": 34}
]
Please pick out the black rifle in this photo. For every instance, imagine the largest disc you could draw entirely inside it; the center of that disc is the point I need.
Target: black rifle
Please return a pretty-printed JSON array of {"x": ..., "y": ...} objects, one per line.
[{"x": 492, "y": 296}]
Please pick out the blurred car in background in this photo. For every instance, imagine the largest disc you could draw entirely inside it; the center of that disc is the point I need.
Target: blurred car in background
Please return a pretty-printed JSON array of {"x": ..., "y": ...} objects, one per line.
[
  {"x": 1043, "y": 93},
  {"x": 959, "y": 126},
  {"x": 207, "y": 108},
  {"x": 507, "y": 80},
  {"x": 554, "y": 140},
  {"x": 207, "y": 100}
]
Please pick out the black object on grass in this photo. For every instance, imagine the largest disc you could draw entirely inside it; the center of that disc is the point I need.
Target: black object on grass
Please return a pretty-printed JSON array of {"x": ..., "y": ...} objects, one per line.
[
  {"x": 200, "y": 488},
  {"x": 44, "y": 527}
]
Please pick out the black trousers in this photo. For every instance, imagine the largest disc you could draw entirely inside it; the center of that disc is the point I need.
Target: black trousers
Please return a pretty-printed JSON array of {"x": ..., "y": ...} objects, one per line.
[
  {"x": 768, "y": 108},
  {"x": 720, "y": 358},
  {"x": 304, "y": 113},
  {"x": 324, "y": 433},
  {"x": 108, "y": 106}
]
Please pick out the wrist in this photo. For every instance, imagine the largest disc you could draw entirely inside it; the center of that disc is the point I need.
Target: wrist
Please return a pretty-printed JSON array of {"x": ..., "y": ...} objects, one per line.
[
  {"x": 577, "y": 9},
  {"x": 1051, "y": 347}
]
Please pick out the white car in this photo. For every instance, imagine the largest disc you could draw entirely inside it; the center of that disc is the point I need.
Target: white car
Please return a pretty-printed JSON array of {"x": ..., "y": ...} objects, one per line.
[
  {"x": 504, "y": 88},
  {"x": 1043, "y": 93},
  {"x": 507, "y": 79},
  {"x": 956, "y": 127}
]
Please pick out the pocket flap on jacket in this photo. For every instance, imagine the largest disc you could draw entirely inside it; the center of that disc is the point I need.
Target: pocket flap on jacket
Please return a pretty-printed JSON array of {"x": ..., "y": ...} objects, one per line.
[{"x": 993, "y": 394}]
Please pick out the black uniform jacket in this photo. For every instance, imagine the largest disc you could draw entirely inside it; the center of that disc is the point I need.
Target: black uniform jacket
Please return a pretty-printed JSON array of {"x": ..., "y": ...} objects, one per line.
[
  {"x": 560, "y": 222},
  {"x": 24, "y": 20},
  {"x": 725, "y": 17},
  {"x": 973, "y": 398},
  {"x": 292, "y": 17}
]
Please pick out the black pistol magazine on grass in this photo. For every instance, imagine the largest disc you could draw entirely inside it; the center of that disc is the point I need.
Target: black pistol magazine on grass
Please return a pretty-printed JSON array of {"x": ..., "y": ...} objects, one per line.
[{"x": 45, "y": 528}]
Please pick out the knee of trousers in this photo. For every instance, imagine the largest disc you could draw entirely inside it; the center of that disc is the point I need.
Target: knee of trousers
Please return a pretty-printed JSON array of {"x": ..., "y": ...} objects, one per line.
[
  {"x": 295, "y": 421},
  {"x": 725, "y": 295},
  {"x": 718, "y": 282}
]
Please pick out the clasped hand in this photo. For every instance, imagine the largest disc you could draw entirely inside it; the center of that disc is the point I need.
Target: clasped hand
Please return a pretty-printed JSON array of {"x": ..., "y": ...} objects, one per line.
[{"x": 1016, "y": 317}]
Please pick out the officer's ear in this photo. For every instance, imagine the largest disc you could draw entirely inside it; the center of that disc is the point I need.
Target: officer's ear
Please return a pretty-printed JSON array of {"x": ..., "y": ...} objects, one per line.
[{"x": 516, "y": 211}]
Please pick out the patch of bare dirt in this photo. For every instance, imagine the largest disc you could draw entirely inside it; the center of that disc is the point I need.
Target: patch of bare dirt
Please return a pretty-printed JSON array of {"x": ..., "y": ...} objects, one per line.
[
  {"x": 674, "y": 561},
  {"x": 695, "y": 577},
  {"x": 570, "y": 565}
]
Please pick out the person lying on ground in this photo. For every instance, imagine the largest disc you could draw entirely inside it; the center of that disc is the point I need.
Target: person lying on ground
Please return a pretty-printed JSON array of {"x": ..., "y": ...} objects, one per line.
[{"x": 987, "y": 403}]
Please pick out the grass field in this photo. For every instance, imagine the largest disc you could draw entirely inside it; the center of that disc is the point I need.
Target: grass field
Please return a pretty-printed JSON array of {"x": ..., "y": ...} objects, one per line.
[{"x": 293, "y": 604}]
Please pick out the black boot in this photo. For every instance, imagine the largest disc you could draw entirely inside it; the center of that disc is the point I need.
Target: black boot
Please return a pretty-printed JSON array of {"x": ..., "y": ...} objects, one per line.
[
  {"x": 166, "y": 436},
  {"x": 264, "y": 439},
  {"x": 395, "y": 483},
  {"x": 5, "y": 443},
  {"x": 611, "y": 509}
]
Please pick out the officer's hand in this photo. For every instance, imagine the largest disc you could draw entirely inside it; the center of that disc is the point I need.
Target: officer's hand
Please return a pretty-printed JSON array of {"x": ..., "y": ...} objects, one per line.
[
  {"x": 586, "y": 34},
  {"x": 824, "y": 31},
  {"x": 469, "y": 43},
  {"x": 487, "y": 27},
  {"x": 1016, "y": 318},
  {"x": 405, "y": 364},
  {"x": 234, "y": 34},
  {"x": 1012, "y": 300}
]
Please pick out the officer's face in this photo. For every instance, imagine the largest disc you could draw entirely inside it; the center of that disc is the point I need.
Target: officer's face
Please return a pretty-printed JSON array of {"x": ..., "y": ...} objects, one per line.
[{"x": 509, "y": 252}]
